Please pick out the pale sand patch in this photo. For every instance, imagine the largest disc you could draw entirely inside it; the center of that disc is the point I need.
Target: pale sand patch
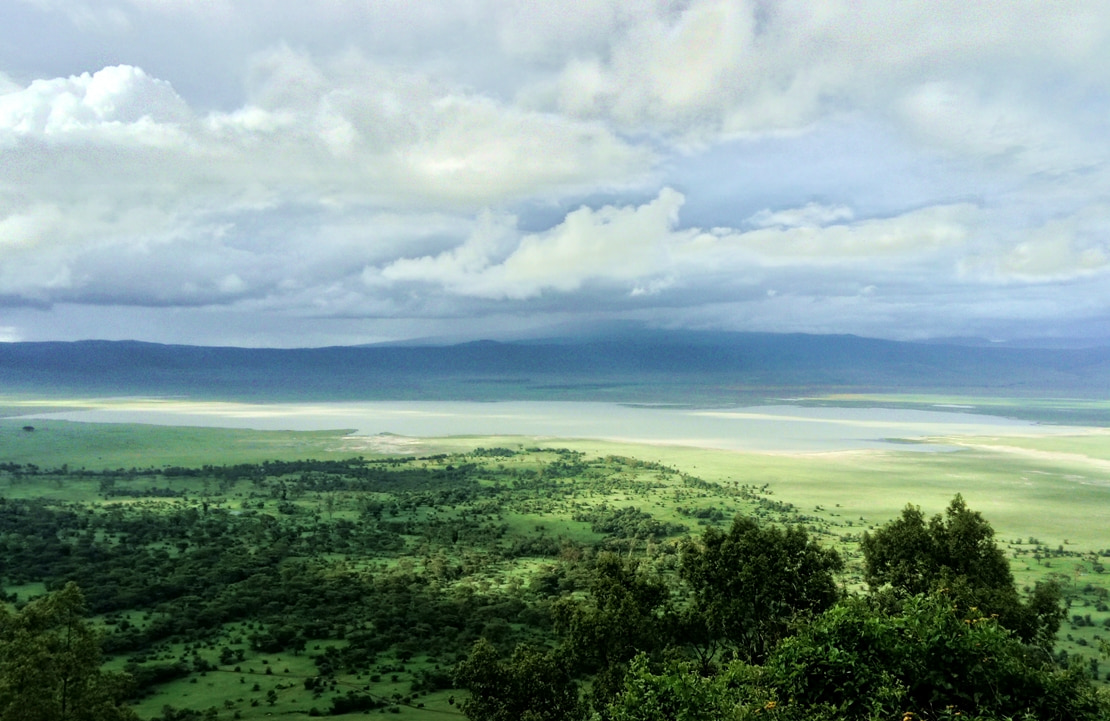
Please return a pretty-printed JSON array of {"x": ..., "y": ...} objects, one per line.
[
  {"x": 382, "y": 444},
  {"x": 843, "y": 454},
  {"x": 1073, "y": 459},
  {"x": 791, "y": 431},
  {"x": 389, "y": 444}
]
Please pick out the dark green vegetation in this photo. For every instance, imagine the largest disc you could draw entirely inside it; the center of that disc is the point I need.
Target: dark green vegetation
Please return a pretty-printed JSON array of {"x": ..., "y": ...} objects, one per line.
[
  {"x": 957, "y": 552},
  {"x": 768, "y": 635},
  {"x": 50, "y": 664},
  {"x": 863, "y": 660},
  {"x": 640, "y": 366},
  {"x": 549, "y": 583}
]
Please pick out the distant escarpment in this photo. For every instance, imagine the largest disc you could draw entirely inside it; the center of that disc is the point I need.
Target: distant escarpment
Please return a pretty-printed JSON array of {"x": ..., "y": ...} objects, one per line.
[{"x": 652, "y": 367}]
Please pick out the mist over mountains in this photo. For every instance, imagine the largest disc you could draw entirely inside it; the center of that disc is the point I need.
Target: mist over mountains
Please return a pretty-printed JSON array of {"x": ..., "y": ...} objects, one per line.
[{"x": 645, "y": 366}]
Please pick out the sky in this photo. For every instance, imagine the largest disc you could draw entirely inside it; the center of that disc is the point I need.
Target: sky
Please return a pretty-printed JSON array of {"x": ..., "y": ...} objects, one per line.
[{"x": 273, "y": 173}]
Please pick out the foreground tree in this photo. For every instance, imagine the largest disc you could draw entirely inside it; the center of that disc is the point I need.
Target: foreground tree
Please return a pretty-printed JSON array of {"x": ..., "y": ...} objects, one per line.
[
  {"x": 626, "y": 612},
  {"x": 957, "y": 552},
  {"x": 50, "y": 665},
  {"x": 532, "y": 685},
  {"x": 861, "y": 661},
  {"x": 930, "y": 658},
  {"x": 912, "y": 554},
  {"x": 679, "y": 692},
  {"x": 752, "y": 583}
]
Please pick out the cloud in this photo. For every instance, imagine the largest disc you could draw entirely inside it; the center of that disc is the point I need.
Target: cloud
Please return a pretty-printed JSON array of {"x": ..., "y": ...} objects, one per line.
[
  {"x": 84, "y": 16},
  {"x": 797, "y": 237},
  {"x": 119, "y": 104},
  {"x": 359, "y": 131},
  {"x": 477, "y": 159},
  {"x": 995, "y": 128},
  {"x": 611, "y": 243},
  {"x": 813, "y": 214},
  {"x": 1059, "y": 250},
  {"x": 110, "y": 179},
  {"x": 713, "y": 68},
  {"x": 7, "y": 85},
  {"x": 277, "y": 259},
  {"x": 641, "y": 248}
]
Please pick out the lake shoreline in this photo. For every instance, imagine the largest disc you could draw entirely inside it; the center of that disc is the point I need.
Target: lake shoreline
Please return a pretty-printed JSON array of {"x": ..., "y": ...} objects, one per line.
[{"x": 780, "y": 428}]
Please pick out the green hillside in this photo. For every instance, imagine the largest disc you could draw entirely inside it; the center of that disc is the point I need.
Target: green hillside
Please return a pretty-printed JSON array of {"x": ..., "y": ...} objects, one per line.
[{"x": 248, "y": 586}]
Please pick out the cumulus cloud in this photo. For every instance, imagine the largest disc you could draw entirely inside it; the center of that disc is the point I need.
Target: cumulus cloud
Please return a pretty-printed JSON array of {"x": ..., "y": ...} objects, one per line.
[
  {"x": 95, "y": 253},
  {"x": 643, "y": 250},
  {"x": 1060, "y": 249},
  {"x": 850, "y": 163},
  {"x": 810, "y": 215},
  {"x": 115, "y": 166},
  {"x": 744, "y": 65},
  {"x": 364, "y": 132},
  {"x": 7, "y": 85},
  {"x": 360, "y": 130},
  {"x": 611, "y": 243},
  {"x": 117, "y": 104},
  {"x": 910, "y": 235}
]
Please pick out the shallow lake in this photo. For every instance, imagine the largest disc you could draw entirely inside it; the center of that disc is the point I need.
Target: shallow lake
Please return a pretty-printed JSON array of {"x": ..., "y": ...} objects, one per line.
[{"x": 780, "y": 428}]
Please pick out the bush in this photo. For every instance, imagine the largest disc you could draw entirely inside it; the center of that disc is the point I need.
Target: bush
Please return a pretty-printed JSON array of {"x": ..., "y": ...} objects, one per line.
[
  {"x": 927, "y": 658},
  {"x": 858, "y": 662},
  {"x": 353, "y": 702}
]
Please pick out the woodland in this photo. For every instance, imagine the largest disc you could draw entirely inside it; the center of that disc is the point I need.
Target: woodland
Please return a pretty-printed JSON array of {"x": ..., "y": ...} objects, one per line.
[{"x": 500, "y": 583}]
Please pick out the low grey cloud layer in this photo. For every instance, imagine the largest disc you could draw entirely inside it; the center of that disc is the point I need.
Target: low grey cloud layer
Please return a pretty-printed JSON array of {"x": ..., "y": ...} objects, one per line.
[{"x": 263, "y": 173}]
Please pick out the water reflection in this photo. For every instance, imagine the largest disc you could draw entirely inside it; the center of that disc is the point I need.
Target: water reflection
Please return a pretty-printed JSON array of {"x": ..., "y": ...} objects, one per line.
[{"x": 767, "y": 428}]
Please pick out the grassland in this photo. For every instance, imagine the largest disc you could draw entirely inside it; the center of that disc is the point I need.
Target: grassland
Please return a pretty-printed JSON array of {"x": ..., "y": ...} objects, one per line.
[
  {"x": 1045, "y": 409},
  {"x": 1048, "y": 498},
  {"x": 128, "y": 445}
]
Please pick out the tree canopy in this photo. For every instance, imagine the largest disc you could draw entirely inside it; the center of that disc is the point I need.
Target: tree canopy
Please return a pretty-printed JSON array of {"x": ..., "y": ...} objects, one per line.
[
  {"x": 860, "y": 661},
  {"x": 50, "y": 664},
  {"x": 761, "y": 630},
  {"x": 912, "y": 554},
  {"x": 957, "y": 552},
  {"x": 627, "y": 611},
  {"x": 532, "y": 685},
  {"x": 751, "y": 583}
]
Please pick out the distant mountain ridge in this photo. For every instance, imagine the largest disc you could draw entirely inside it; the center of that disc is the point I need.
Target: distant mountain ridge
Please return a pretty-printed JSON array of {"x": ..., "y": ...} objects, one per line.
[{"x": 655, "y": 365}]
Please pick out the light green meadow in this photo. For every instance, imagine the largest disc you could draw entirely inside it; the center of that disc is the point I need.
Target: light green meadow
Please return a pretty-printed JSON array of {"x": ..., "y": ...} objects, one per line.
[{"x": 98, "y": 446}]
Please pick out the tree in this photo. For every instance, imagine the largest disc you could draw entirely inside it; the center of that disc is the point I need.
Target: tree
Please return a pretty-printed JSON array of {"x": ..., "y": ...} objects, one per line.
[
  {"x": 909, "y": 554},
  {"x": 678, "y": 692},
  {"x": 957, "y": 552},
  {"x": 623, "y": 615},
  {"x": 861, "y": 661},
  {"x": 533, "y": 685},
  {"x": 926, "y": 659},
  {"x": 627, "y": 612},
  {"x": 751, "y": 583},
  {"x": 50, "y": 665}
]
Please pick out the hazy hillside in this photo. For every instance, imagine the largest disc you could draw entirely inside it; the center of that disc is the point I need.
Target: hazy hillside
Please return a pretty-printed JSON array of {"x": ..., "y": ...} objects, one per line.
[{"x": 655, "y": 366}]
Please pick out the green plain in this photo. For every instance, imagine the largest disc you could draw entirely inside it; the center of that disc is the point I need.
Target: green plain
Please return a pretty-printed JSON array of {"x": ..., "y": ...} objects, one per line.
[{"x": 1037, "y": 491}]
